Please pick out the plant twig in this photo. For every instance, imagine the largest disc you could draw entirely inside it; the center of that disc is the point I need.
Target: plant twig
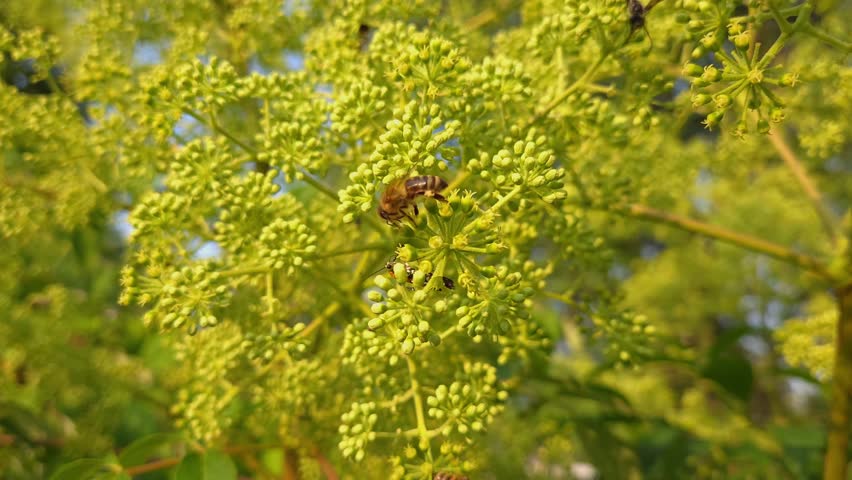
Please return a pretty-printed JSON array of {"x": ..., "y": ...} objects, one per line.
[
  {"x": 580, "y": 82},
  {"x": 418, "y": 403},
  {"x": 829, "y": 222},
  {"x": 742, "y": 240}
]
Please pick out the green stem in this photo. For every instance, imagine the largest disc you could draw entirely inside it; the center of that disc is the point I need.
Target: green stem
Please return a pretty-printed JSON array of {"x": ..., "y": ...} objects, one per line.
[
  {"x": 506, "y": 198},
  {"x": 826, "y": 216},
  {"x": 844, "y": 45},
  {"x": 215, "y": 126},
  {"x": 446, "y": 333},
  {"x": 245, "y": 271},
  {"x": 319, "y": 186},
  {"x": 365, "y": 248},
  {"x": 418, "y": 404},
  {"x": 780, "y": 18},
  {"x": 471, "y": 250},
  {"x": 320, "y": 319},
  {"x": 580, "y": 82},
  {"x": 458, "y": 181},
  {"x": 270, "y": 291}
]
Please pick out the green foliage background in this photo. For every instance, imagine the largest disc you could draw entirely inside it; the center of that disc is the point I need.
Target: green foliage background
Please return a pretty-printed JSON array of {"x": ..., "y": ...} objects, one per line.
[{"x": 648, "y": 233}]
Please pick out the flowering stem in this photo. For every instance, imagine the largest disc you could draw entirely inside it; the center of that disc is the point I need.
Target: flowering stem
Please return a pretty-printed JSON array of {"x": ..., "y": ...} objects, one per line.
[
  {"x": 570, "y": 90},
  {"x": 742, "y": 240},
  {"x": 458, "y": 181},
  {"x": 236, "y": 272},
  {"x": 506, "y": 198},
  {"x": 364, "y": 248},
  {"x": 418, "y": 403},
  {"x": 795, "y": 166},
  {"x": 319, "y": 186},
  {"x": 270, "y": 291},
  {"x": 446, "y": 333},
  {"x": 320, "y": 319},
  {"x": 844, "y": 45}
]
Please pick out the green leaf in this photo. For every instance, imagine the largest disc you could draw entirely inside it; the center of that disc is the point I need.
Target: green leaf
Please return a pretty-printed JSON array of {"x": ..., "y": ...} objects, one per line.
[
  {"x": 191, "y": 468},
  {"x": 83, "y": 469},
  {"x": 146, "y": 447},
  {"x": 220, "y": 466},
  {"x": 273, "y": 460},
  {"x": 211, "y": 465},
  {"x": 733, "y": 372}
]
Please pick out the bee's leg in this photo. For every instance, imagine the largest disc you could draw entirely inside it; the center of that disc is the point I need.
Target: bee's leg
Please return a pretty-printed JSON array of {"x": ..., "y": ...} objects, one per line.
[
  {"x": 408, "y": 215},
  {"x": 416, "y": 210},
  {"x": 439, "y": 197}
]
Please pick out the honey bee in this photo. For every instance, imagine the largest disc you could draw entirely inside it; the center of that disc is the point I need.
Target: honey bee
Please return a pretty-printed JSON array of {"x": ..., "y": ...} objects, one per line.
[
  {"x": 448, "y": 476},
  {"x": 637, "y": 13},
  {"x": 400, "y": 196},
  {"x": 409, "y": 273}
]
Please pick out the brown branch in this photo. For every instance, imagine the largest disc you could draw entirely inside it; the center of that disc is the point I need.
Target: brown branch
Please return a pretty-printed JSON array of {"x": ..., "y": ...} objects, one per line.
[
  {"x": 836, "y": 458},
  {"x": 325, "y": 465},
  {"x": 153, "y": 466},
  {"x": 829, "y": 222},
  {"x": 172, "y": 461},
  {"x": 291, "y": 465},
  {"x": 742, "y": 240}
]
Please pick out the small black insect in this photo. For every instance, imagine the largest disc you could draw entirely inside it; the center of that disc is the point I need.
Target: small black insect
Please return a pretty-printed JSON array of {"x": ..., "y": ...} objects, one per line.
[
  {"x": 409, "y": 273},
  {"x": 637, "y": 13}
]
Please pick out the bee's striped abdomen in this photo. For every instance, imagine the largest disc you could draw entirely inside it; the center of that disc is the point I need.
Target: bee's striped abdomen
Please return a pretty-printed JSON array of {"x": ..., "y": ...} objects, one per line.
[{"x": 425, "y": 185}]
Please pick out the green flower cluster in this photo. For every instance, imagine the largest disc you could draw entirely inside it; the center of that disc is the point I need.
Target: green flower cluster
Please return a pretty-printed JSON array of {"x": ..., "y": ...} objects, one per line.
[
  {"x": 573, "y": 24},
  {"x": 524, "y": 168},
  {"x": 501, "y": 299},
  {"x": 742, "y": 80},
  {"x": 264, "y": 346},
  {"x": 468, "y": 404},
  {"x": 206, "y": 87},
  {"x": 809, "y": 342},
  {"x": 184, "y": 298},
  {"x": 412, "y": 144},
  {"x": 406, "y": 313},
  {"x": 201, "y": 170},
  {"x": 498, "y": 86},
  {"x": 284, "y": 244},
  {"x": 629, "y": 337},
  {"x": 202, "y": 403},
  {"x": 247, "y": 206},
  {"x": 357, "y": 115},
  {"x": 357, "y": 430},
  {"x": 431, "y": 65}
]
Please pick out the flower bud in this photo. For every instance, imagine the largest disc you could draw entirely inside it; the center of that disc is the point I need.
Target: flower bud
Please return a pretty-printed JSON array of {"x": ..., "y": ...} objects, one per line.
[
  {"x": 700, "y": 99},
  {"x": 789, "y": 79},
  {"x": 722, "y": 101}
]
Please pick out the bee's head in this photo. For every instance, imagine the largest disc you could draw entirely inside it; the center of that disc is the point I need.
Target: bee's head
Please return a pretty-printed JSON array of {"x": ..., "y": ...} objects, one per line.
[{"x": 385, "y": 215}]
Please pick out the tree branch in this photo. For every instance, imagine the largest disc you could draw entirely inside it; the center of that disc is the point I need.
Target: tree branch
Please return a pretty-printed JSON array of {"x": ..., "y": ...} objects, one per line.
[
  {"x": 742, "y": 240},
  {"x": 836, "y": 456},
  {"x": 829, "y": 222}
]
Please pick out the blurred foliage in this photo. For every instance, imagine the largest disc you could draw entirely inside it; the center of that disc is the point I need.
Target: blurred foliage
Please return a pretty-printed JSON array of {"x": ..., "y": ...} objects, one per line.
[{"x": 196, "y": 283}]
